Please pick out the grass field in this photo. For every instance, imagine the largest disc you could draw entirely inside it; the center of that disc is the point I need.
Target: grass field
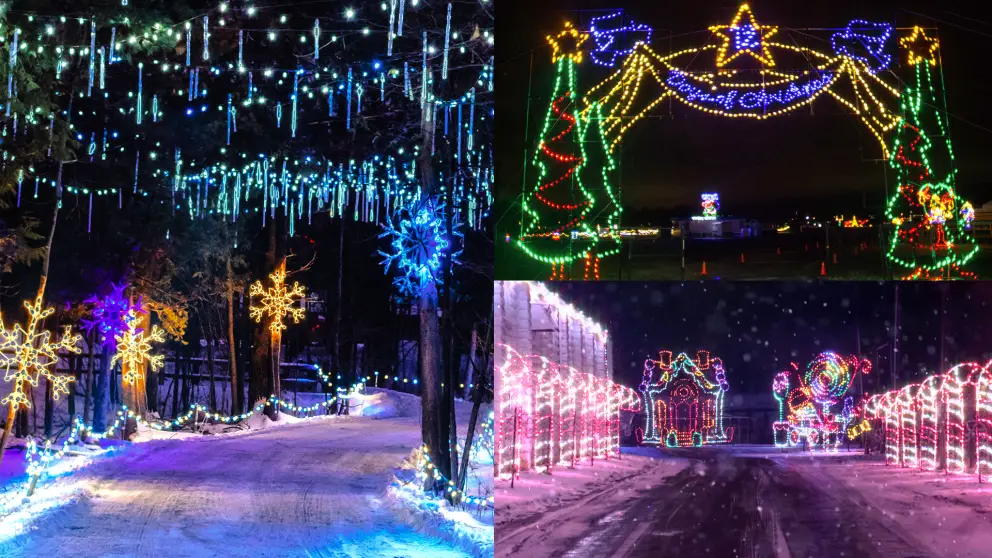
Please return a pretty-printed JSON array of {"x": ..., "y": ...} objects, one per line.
[{"x": 853, "y": 254}]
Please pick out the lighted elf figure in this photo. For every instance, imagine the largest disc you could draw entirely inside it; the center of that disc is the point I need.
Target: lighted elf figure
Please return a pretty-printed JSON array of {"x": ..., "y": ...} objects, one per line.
[
  {"x": 929, "y": 215},
  {"x": 555, "y": 228}
]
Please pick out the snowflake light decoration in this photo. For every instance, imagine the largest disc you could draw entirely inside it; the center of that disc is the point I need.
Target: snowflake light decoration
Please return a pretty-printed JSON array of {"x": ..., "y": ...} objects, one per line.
[
  {"x": 33, "y": 355},
  {"x": 134, "y": 347},
  {"x": 111, "y": 314},
  {"x": 277, "y": 302},
  {"x": 419, "y": 242}
]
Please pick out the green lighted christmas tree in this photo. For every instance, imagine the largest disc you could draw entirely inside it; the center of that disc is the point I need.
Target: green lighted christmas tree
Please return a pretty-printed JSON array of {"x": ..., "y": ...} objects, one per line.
[
  {"x": 932, "y": 222},
  {"x": 572, "y": 189}
]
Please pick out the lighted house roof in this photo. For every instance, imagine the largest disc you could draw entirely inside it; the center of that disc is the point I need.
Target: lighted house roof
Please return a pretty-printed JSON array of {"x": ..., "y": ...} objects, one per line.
[
  {"x": 708, "y": 372},
  {"x": 551, "y": 298}
]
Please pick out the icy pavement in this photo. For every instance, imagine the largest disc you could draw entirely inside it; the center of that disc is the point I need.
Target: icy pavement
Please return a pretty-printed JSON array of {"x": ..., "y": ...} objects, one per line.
[
  {"x": 730, "y": 505},
  {"x": 310, "y": 489}
]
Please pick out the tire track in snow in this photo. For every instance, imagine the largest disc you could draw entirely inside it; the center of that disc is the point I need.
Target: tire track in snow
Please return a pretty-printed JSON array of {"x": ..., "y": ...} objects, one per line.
[{"x": 722, "y": 506}]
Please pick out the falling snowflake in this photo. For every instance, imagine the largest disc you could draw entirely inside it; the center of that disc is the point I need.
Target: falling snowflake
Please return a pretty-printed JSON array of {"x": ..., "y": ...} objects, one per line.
[{"x": 419, "y": 241}]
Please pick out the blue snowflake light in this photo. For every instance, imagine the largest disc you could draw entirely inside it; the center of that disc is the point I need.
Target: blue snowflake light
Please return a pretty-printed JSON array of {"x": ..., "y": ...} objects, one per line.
[
  {"x": 419, "y": 241},
  {"x": 111, "y": 314}
]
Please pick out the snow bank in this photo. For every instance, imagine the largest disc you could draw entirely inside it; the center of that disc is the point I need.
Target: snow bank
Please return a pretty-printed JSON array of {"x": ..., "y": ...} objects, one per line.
[
  {"x": 949, "y": 514},
  {"x": 536, "y": 493},
  {"x": 469, "y": 527},
  {"x": 470, "y": 530}
]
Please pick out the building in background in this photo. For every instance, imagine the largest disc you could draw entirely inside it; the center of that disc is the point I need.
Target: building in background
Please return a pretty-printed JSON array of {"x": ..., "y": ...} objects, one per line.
[{"x": 556, "y": 402}]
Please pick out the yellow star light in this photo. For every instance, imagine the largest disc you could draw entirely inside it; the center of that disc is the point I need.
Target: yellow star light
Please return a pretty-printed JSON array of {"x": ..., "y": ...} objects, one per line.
[
  {"x": 566, "y": 44},
  {"x": 744, "y": 37},
  {"x": 134, "y": 347},
  {"x": 29, "y": 354},
  {"x": 277, "y": 302},
  {"x": 919, "y": 47}
]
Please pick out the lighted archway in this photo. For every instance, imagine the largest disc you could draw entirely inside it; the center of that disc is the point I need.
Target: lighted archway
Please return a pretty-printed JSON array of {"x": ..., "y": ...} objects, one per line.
[{"x": 572, "y": 211}]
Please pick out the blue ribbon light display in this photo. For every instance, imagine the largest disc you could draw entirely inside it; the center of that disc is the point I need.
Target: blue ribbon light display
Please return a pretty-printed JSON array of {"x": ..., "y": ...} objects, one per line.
[{"x": 748, "y": 100}]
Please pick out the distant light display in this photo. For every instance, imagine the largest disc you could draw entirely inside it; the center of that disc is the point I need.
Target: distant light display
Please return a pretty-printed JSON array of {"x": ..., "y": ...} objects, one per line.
[{"x": 711, "y": 205}]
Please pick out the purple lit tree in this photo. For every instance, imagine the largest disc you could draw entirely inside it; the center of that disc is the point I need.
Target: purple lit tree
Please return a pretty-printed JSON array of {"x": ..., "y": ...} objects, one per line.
[{"x": 111, "y": 315}]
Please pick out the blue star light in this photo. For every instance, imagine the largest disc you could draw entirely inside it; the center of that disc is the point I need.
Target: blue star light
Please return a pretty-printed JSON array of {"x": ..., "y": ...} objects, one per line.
[
  {"x": 419, "y": 242},
  {"x": 745, "y": 37}
]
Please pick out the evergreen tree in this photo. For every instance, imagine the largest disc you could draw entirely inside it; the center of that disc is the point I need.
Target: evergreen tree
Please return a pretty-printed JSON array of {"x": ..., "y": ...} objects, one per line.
[
  {"x": 932, "y": 234},
  {"x": 571, "y": 208}
]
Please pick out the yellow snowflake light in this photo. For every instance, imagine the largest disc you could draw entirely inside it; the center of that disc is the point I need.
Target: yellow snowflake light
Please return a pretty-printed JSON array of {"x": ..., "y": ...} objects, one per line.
[
  {"x": 28, "y": 354},
  {"x": 277, "y": 302},
  {"x": 134, "y": 347}
]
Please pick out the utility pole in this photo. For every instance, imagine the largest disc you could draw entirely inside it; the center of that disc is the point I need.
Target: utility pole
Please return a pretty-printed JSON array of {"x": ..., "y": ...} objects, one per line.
[
  {"x": 943, "y": 303},
  {"x": 895, "y": 336}
]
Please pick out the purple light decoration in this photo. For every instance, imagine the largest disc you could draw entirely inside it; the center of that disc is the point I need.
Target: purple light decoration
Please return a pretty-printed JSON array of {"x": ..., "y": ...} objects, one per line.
[
  {"x": 604, "y": 35},
  {"x": 745, "y": 37},
  {"x": 864, "y": 41},
  {"x": 111, "y": 314}
]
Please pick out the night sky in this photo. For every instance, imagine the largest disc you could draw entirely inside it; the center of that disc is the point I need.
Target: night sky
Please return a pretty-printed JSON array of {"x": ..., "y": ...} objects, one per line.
[
  {"x": 801, "y": 162},
  {"x": 758, "y": 328}
]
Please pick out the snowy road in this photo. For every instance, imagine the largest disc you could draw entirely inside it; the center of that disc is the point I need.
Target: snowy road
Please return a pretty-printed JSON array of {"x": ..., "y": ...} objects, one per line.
[
  {"x": 311, "y": 489},
  {"x": 721, "y": 506}
]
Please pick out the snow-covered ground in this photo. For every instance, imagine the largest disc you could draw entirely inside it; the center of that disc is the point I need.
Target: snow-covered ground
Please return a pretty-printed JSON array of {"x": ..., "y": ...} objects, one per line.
[
  {"x": 533, "y": 494},
  {"x": 314, "y": 487},
  {"x": 950, "y": 514}
]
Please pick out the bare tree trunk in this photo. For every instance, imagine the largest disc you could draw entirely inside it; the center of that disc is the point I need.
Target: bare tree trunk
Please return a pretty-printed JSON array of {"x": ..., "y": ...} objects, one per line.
[
  {"x": 88, "y": 402},
  {"x": 276, "y": 358},
  {"x": 236, "y": 407},
  {"x": 101, "y": 393},
  {"x": 430, "y": 343},
  {"x": 336, "y": 365},
  {"x": 11, "y": 415},
  {"x": 481, "y": 381},
  {"x": 210, "y": 362},
  {"x": 49, "y": 407},
  {"x": 473, "y": 420},
  {"x": 260, "y": 385},
  {"x": 134, "y": 393},
  {"x": 176, "y": 372},
  {"x": 74, "y": 362},
  {"x": 150, "y": 379}
]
